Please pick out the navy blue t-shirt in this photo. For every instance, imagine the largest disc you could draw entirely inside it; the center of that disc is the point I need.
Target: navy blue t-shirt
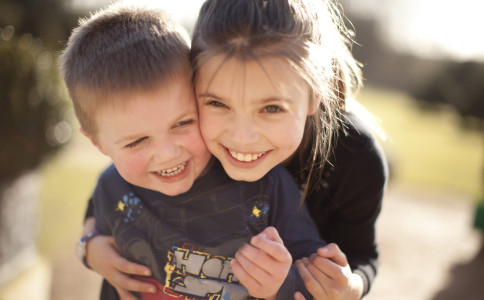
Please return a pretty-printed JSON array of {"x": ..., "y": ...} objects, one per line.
[{"x": 188, "y": 240}]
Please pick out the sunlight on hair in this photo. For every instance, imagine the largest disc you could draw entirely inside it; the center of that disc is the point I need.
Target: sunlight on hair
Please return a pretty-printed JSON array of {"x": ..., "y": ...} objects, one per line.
[{"x": 370, "y": 119}]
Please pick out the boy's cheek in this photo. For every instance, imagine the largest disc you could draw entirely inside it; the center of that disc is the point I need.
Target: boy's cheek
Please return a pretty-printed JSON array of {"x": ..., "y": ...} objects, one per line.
[{"x": 130, "y": 166}]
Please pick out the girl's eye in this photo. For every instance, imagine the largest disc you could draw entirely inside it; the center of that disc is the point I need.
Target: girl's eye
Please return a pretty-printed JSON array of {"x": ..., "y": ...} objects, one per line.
[
  {"x": 216, "y": 103},
  {"x": 135, "y": 143},
  {"x": 184, "y": 123},
  {"x": 272, "y": 109}
]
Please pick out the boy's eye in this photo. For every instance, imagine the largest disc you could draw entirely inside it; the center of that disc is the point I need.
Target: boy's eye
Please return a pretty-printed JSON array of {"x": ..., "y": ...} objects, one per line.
[
  {"x": 216, "y": 103},
  {"x": 272, "y": 109},
  {"x": 135, "y": 143},
  {"x": 184, "y": 123}
]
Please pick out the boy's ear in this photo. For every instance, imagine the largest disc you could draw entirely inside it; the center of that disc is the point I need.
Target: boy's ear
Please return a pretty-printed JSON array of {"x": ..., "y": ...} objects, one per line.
[{"x": 93, "y": 141}]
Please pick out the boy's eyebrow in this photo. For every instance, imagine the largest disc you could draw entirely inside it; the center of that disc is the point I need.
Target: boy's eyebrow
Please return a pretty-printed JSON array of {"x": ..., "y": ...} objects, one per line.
[
  {"x": 136, "y": 136},
  {"x": 129, "y": 138}
]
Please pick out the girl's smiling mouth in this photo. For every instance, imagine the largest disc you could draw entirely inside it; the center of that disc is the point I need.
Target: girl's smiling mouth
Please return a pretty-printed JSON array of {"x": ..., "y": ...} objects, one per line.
[{"x": 245, "y": 157}]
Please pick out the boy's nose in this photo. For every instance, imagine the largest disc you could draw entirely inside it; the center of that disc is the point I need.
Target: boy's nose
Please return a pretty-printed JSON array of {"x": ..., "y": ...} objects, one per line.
[{"x": 166, "y": 150}]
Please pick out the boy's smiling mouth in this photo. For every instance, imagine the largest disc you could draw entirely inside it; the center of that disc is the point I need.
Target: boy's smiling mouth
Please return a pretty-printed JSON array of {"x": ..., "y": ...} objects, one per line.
[{"x": 173, "y": 171}]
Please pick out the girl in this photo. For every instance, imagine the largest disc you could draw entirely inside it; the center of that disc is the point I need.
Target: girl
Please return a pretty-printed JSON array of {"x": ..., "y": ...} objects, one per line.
[{"x": 274, "y": 80}]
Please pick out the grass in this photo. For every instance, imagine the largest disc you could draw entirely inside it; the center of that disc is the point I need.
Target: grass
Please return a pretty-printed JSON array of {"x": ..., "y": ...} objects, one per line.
[
  {"x": 426, "y": 149},
  {"x": 68, "y": 181}
]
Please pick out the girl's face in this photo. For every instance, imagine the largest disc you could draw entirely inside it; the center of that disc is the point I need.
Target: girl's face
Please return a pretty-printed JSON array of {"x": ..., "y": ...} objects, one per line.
[{"x": 252, "y": 114}]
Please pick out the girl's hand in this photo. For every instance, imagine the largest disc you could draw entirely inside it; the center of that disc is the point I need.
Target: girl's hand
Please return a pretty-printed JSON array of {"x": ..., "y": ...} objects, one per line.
[
  {"x": 263, "y": 265},
  {"x": 103, "y": 256},
  {"x": 327, "y": 276}
]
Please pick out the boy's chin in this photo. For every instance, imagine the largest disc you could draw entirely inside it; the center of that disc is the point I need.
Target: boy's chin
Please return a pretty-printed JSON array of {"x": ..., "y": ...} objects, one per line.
[{"x": 174, "y": 189}]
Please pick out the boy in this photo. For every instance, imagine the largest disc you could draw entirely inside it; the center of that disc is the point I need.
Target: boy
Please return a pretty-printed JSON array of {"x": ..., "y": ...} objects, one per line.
[{"x": 168, "y": 204}]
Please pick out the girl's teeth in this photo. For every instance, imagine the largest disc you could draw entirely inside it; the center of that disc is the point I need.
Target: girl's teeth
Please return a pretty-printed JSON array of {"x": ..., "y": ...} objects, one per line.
[
  {"x": 173, "y": 171},
  {"x": 245, "y": 157}
]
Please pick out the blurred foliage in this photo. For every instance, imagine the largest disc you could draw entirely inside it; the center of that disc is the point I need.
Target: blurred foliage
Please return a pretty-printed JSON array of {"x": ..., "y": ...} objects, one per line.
[
  {"x": 431, "y": 81},
  {"x": 458, "y": 84},
  {"x": 44, "y": 19},
  {"x": 33, "y": 104}
]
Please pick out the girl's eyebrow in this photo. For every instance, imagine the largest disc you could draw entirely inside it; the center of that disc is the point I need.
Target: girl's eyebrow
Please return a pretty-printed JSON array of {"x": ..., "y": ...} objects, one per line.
[
  {"x": 263, "y": 100},
  {"x": 208, "y": 95},
  {"x": 276, "y": 99}
]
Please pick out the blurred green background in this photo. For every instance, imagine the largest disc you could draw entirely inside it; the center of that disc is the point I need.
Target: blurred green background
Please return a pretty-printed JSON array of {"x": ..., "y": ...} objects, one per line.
[{"x": 430, "y": 108}]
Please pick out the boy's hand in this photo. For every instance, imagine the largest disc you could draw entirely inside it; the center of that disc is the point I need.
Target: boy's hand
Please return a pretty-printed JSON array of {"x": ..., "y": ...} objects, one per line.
[
  {"x": 263, "y": 265},
  {"x": 327, "y": 276},
  {"x": 103, "y": 257}
]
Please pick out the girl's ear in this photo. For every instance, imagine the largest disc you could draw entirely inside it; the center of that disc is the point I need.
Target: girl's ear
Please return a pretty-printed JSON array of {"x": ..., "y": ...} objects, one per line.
[
  {"x": 93, "y": 141},
  {"x": 314, "y": 102}
]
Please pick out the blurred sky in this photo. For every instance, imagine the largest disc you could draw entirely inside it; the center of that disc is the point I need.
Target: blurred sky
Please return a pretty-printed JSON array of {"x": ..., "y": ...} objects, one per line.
[{"x": 430, "y": 28}]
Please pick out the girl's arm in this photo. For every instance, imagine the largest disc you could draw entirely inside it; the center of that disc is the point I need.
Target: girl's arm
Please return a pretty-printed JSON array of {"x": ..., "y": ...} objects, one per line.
[
  {"x": 262, "y": 265},
  {"x": 328, "y": 276},
  {"x": 103, "y": 257},
  {"x": 348, "y": 204}
]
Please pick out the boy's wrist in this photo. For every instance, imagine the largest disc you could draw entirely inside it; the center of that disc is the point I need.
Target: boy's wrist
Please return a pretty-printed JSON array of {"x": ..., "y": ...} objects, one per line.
[{"x": 82, "y": 246}]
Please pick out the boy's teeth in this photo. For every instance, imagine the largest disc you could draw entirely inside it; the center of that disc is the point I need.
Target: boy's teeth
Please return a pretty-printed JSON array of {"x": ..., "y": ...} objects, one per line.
[
  {"x": 172, "y": 171},
  {"x": 245, "y": 157}
]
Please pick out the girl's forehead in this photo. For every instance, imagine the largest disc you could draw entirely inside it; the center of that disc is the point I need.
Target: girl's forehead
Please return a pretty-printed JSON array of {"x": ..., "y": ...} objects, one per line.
[
  {"x": 267, "y": 78},
  {"x": 270, "y": 66}
]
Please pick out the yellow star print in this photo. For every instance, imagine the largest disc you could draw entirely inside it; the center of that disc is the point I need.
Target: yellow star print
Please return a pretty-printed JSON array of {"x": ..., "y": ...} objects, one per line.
[
  {"x": 121, "y": 206},
  {"x": 256, "y": 212}
]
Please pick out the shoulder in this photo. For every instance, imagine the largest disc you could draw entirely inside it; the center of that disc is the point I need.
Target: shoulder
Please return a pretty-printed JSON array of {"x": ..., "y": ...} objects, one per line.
[
  {"x": 357, "y": 149},
  {"x": 110, "y": 183},
  {"x": 280, "y": 183},
  {"x": 110, "y": 176},
  {"x": 355, "y": 133},
  {"x": 279, "y": 174}
]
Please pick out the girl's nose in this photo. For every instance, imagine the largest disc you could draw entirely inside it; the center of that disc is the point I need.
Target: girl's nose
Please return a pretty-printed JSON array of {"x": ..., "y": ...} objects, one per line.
[{"x": 244, "y": 130}]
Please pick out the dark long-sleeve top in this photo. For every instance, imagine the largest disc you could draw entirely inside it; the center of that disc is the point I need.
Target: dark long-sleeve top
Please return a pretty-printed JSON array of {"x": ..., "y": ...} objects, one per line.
[{"x": 347, "y": 200}]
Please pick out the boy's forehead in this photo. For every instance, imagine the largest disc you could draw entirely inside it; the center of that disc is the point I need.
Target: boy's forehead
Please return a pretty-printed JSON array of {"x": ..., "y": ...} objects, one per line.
[{"x": 170, "y": 94}]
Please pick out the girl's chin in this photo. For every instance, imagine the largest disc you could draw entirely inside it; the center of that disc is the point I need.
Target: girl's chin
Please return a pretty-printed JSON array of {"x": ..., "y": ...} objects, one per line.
[{"x": 245, "y": 174}]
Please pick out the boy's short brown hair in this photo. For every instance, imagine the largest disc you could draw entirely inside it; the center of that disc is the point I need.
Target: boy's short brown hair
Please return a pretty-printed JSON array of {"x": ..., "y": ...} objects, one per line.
[{"x": 121, "y": 49}]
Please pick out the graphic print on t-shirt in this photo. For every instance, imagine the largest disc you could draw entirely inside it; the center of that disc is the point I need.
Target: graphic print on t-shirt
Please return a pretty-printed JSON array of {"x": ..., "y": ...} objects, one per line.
[{"x": 195, "y": 274}]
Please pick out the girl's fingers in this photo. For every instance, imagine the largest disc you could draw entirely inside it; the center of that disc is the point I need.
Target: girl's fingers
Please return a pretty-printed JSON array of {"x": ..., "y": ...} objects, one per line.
[
  {"x": 243, "y": 276},
  {"x": 125, "y": 282},
  {"x": 131, "y": 268},
  {"x": 314, "y": 286},
  {"x": 333, "y": 252},
  {"x": 272, "y": 234},
  {"x": 124, "y": 294},
  {"x": 330, "y": 267},
  {"x": 250, "y": 265},
  {"x": 272, "y": 248},
  {"x": 299, "y": 296}
]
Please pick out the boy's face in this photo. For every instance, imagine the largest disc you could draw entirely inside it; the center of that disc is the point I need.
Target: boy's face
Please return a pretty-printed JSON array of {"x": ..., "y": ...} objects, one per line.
[
  {"x": 154, "y": 139},
  {"x": 252, "y": 114}
]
